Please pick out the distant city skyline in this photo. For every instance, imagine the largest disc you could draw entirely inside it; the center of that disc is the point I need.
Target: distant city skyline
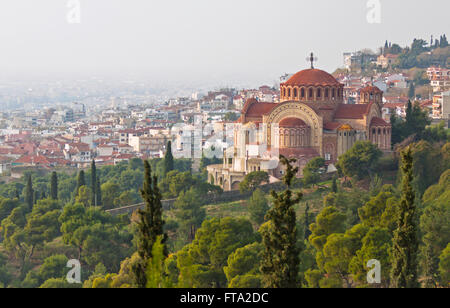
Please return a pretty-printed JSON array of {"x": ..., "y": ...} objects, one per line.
[{"x": 225, "y": 43}]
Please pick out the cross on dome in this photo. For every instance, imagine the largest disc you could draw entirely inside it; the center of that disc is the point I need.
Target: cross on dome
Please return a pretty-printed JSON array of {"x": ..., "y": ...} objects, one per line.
[{"x": 311, "y": 59}]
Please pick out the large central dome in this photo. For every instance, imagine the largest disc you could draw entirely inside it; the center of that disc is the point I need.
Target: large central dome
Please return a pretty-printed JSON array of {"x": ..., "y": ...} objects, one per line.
[
  {"x": 312, "y": 77},
  {"x": 311, "y": 85}
]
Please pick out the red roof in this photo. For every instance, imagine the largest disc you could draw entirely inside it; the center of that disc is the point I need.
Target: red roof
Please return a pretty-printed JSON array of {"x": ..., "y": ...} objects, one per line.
[
  {"x": 291, "y": 122},
  {"x": 312, "y": 77},
  {"x": 371, "y": 89},
  {"x": 350, "y": 111},
  {"x": 297, "y": 152},
  {"x": 253, "y": 108},
  {"x": 332, "y": 125},
  {"x": 378, "y": 122}
]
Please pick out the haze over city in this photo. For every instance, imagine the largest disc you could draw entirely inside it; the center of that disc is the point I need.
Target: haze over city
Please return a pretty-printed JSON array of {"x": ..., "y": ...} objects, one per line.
[{"x": 226, "y": 43}]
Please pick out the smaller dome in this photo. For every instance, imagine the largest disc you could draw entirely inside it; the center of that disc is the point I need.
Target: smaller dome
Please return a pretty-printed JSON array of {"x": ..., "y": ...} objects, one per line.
[
  {"x": 370, "y": 89},
  {"x": 291, "y": 122},
  {"x": 345, "y": 127}
]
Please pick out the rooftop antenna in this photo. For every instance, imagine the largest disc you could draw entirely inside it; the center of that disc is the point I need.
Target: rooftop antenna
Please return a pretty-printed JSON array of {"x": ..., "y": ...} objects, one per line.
[{"x": 311, "y": 59}]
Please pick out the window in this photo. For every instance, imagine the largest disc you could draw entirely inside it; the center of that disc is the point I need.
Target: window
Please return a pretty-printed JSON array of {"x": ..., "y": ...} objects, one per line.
[
  {"x": 289, "y": 92},
  {"x": 303, "y": 92},
  {"x": 310, "y": 93},
  {"x": 295, "y": 92},
  {"x": 319, "y": 93},
  {"x": 326, "y": 93},
  {"x": 333, "y": 93},
  {"x": 327, "y": 156}
]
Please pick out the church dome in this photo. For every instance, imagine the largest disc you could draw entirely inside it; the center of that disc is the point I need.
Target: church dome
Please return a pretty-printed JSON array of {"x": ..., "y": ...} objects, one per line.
[
  {"x": 312, "y": 77},
  {"x": 291, "y": 123}
]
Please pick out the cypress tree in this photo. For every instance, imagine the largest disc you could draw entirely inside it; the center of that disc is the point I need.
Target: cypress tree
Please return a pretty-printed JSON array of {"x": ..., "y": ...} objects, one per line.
[
  {"x": 81, "y": 181},
  {"x": 99, "y": 193},
  {"x": 281, "y": 252},
  {"x": 29, "y": 193},
  {"x": 168, "y": 159},
  {"x": 334, "y": 187},
  {"x": 94, "y": 183},
  {"x": 150, "y": 225},
  {"x": 54, "y": 186},
  {"x": 412, "y": 91},
  {"x": 405, "y": 243}
]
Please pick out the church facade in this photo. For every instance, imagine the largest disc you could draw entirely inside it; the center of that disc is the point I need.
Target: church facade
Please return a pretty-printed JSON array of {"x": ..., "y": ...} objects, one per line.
[{"x": 311, "y": 120}]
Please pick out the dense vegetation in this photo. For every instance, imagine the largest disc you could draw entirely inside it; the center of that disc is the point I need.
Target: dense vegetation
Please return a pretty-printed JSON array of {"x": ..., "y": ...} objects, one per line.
[{"x": 322, "y": 235}]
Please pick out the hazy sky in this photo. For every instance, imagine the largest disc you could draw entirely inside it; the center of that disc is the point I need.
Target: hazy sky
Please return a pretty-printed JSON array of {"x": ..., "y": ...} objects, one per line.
[{"x": 229, "y": 40}]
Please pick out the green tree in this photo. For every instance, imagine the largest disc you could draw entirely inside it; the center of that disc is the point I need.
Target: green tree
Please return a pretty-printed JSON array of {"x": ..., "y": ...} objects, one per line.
[
  {"x": 360, "y": 160},
  {"x": 334, "y": 186},
  {"x": 253, "y": 180},
  {"x": 435, "y": 226},
  {"x": 84, "y": 196},
  {"x": 81, "y": 181},
  {"x": 110, "y": 191},
  {"x": 29, "y": 193},
  {"x": 242, "y": 270},
  {"x": 202, "y": 262},
  {"x": 444, "y": 267},
  {"x": 168, "y": 159},
  {"x": 54, "y": 186},
  {"x": 330, "y": 220},
  {"x": 258, "y": 207},
  {"x": 281, "y": 251},
  {"x": 189, "y": 212},
  {"x": 311, "y": 172},
  {"x": 94, "y": 183},
  {"x": 405, "y": 243},
  {"x": 150, "y": 225}
]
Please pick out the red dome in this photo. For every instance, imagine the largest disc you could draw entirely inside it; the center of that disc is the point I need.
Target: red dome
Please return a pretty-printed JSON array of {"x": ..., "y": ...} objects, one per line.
[
  {"x": 291, "y": 122},
  {"x": 371, "y": 89},
  {"x": 312, "y": 77}
]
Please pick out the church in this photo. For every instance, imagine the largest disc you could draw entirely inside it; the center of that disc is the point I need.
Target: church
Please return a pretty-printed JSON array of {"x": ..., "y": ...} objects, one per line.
[{"x": 311, "y": 120}]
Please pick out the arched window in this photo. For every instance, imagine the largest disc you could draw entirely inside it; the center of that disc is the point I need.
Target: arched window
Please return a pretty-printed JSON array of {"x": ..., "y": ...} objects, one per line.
[
  {"x": 374, "y": 131},
  {"x": 379, "y": 131},
  {"x": 319, "y": 93},
  {"x": 333, "y": 93},
  {"x": 295, "y": 93},
  {"x": 289, "y": 92},
  {"x": 326, "y": 93},
  {"x": 310, "y": 94},
  {"x": 302, "y": 92}
]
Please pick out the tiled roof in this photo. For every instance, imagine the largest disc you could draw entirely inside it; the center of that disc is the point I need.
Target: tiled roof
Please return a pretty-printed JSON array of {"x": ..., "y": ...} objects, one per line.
[
  {"x": 332, "y": 125},
  {"x": 350, "y": 111},
  {"x": 291, "y": 122},
  {"x": 378, "y": 122}
]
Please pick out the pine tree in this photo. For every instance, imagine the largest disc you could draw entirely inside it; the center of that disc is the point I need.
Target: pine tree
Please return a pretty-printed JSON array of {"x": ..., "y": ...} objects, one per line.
[
  {"x": 54, "y": 186},
  {"x": 99, "y": 192},
  {"x": 94, "y": 183},
  {"x": 150, "y": 225},
  {"x": 405, "y": 243},
  {"x": 29, "y": 193},
  {"x": 81, "y": 181},
  {"x": 168, "y": 159},
  {"x": 281, "y": 254}
]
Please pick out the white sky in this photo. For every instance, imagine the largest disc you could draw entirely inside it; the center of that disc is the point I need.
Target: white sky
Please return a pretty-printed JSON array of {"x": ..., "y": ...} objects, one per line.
[{"x": 255, "y": 40}]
